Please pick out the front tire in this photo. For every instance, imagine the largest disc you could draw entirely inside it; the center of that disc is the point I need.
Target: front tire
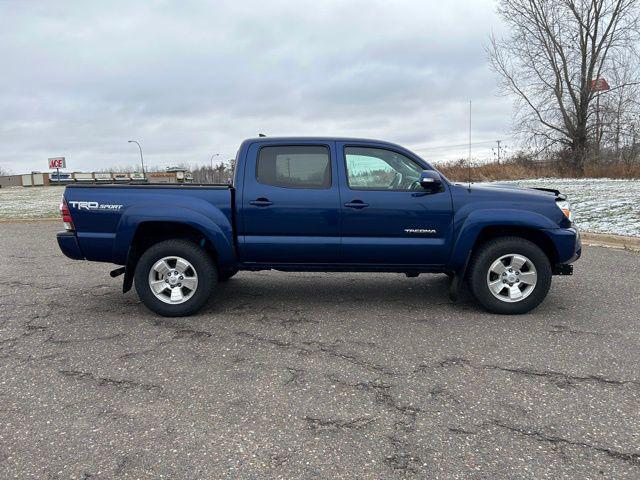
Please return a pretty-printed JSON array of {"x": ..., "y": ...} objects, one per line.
[
  {"x": 510, "y": 275},
  {"x": 175, "y": 278}
]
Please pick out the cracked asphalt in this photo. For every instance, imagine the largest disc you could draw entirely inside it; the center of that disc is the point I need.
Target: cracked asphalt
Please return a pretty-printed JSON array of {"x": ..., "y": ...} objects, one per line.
[{"x": 295, "y": 375}]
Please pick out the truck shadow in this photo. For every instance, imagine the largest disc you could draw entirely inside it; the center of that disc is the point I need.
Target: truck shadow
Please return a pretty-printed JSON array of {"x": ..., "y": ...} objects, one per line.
[{"x": 310, "y": 290}]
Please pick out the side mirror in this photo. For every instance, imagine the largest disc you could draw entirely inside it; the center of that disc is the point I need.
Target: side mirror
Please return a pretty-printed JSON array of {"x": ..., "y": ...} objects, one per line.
[{"x": 431, "y": 181}]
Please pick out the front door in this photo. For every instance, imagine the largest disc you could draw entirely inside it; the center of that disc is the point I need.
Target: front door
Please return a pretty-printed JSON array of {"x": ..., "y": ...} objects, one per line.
[
  {"x": 290, "y": 205},
  {"x": 387, "y": 217}
]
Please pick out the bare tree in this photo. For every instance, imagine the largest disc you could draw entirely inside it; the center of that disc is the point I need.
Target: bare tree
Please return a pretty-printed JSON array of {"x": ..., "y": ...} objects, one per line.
[
  {"x": 620, "y": 109},
  {"x": 553, "y": 52},
  {"x": 221, "y": 173}
]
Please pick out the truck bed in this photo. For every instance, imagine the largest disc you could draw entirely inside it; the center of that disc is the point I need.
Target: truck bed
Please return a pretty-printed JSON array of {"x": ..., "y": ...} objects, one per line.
[{"x": 107, "y": 216}]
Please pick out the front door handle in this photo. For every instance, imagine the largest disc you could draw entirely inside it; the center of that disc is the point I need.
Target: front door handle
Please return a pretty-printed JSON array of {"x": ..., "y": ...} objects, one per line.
[
  {"x": 261, "y": 202},
  {"x": 358, "y": 204}
]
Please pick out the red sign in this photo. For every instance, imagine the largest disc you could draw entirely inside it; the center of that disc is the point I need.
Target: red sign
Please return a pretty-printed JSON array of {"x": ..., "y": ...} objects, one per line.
[
  {"x": 599, "y": 85},
  {"x": 57, "y": 162}
]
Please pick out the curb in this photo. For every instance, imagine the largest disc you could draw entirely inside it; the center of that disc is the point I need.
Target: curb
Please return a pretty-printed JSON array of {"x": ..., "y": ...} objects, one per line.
[
  {"x": 30, "y": 220},
  {"x": 612, "y": 241}
]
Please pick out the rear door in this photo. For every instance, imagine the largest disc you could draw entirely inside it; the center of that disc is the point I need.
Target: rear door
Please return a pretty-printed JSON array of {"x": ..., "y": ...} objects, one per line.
[
  {"x": 387, "y": 217},
  {"x": 290, "y": 204}
]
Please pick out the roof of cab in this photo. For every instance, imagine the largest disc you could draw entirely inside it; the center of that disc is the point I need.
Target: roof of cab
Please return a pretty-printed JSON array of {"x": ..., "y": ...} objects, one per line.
[
  {"x": 323, "y": 139},
  {"x": 379, "y": 143}
]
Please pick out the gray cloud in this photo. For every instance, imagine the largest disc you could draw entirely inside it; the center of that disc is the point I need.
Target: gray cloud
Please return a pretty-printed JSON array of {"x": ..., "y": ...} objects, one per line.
[{"x": 191, "y": 78}]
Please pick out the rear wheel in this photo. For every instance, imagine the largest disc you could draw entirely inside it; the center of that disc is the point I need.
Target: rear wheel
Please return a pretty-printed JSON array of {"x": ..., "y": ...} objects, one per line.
[
  {"x": 510, "y": 275},
  {"x": 175, "y": 278}
]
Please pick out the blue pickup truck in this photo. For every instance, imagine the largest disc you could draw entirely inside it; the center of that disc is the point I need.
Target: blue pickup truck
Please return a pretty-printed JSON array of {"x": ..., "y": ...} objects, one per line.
[{"x": 323, "y": 204}]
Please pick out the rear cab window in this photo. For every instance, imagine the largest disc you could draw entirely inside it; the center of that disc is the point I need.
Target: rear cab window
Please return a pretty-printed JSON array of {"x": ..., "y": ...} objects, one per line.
[{"x": 299, "y": 166}]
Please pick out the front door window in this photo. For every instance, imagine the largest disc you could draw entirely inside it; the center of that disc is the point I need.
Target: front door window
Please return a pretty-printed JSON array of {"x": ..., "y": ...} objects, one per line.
[{"x": 379, "y": 169}]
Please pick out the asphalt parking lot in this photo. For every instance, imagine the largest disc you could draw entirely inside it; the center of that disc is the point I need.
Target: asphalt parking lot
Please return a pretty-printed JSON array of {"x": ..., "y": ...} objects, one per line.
[{"x": 292, "y": 375}]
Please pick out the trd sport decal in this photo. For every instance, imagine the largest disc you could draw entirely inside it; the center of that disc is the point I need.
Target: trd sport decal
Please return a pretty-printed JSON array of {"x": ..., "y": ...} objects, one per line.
[{"x": 95, "y": 206}]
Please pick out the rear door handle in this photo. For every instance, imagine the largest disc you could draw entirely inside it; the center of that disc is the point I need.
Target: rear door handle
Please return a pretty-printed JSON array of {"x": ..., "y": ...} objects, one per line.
[
  {"x": 261, "y": 202},
  {"x": 358, "y": 204}
]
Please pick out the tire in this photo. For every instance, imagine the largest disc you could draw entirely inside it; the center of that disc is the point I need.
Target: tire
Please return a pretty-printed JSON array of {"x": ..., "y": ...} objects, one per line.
[
  {"x": 532, "y": 278},
  {"x": 199, "y": 278}
]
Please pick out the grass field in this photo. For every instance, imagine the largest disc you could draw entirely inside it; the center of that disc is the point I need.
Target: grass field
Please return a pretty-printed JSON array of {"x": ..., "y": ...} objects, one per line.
[
  {"x": 33, "y": 202},
  {"x": 600, "y": 205}
]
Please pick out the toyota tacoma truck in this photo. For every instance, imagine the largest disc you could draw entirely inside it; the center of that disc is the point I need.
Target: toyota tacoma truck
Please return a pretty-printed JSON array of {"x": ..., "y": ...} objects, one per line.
[{"x": 326, "y": 205}]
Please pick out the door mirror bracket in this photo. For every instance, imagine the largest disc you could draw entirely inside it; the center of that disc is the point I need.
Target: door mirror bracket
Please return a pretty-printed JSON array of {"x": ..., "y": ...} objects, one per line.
[{"x": 431, "y": 181}]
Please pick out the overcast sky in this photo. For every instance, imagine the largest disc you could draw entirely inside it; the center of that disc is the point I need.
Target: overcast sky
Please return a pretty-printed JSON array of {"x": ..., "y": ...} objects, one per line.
[{"x": 192, "y": 78}]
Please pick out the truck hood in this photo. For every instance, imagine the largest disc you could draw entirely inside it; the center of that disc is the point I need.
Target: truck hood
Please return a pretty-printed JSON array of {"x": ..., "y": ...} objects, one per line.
[
  {"x": 539, "y": 192},
  {"x": 496, "y": 196}
]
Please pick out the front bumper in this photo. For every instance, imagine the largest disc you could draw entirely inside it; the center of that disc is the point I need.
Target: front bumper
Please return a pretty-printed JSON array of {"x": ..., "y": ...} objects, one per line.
[
  {"x": 568, "y": 248},
  {"x": 68, "y": 243}
]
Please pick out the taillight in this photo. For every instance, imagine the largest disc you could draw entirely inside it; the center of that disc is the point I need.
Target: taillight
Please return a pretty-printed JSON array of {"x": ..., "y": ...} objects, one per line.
[{"x": 66, "y": 215}]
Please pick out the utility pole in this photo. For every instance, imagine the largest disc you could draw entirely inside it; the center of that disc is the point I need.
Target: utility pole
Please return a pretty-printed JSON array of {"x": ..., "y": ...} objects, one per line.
[
  {"x": 469, "y": 131},
  {"x": 599, "y": 86},
  {"x": 469, "y": 160}
]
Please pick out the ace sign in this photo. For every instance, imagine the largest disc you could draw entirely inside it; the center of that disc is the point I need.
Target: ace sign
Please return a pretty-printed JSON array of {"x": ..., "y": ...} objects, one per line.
[{"x": 57, "y": 162}]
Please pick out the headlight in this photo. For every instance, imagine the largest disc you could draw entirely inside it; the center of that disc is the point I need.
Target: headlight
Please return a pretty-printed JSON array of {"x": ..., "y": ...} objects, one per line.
[{"x": 565, "y": 206}]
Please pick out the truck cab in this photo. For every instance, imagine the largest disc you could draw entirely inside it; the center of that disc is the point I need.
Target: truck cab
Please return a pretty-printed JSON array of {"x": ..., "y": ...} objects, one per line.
[
  {"x": 324, "y": 204},
  {"x": 344, "y": 202}
]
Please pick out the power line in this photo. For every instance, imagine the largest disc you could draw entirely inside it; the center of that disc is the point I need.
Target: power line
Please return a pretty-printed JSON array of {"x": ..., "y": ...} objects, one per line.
[{"x": 460, "y": 145}]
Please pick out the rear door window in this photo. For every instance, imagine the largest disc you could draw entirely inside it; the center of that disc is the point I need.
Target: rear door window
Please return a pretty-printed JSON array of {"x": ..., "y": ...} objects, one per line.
[{"x": 303, "y": 166}]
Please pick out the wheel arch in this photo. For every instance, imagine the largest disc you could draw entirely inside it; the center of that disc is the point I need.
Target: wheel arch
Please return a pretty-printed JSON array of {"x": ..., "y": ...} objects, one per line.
[
  {"x": 484, "y": 225},
  {"x": 152, "y": 232},
  {"x": 534, "y": 235}
]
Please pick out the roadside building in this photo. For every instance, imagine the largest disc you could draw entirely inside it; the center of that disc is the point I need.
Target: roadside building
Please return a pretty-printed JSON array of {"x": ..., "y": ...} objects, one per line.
[
  {"x": 161, "y": 177},
  {"x": 10, "y": 181},
  {"x": 182, "y": 174},
  {"x": 83, "y": 177},
  {"x": 172, "y": 175},
  {"x": 34, "y": 179},
  {"x": 102, "y": 177},
  {"x": 60, "y": 178}
]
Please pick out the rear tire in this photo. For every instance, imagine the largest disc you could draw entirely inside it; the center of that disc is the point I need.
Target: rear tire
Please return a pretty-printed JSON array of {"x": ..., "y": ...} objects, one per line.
[
  {"x": 175, "y": 278},
  {"x": 510, "y": 275}
]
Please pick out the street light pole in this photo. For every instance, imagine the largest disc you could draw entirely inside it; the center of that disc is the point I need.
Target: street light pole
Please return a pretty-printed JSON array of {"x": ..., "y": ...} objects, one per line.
[
  {"x": 141, "y": 159},
  {"x": 212, "y": 156}
]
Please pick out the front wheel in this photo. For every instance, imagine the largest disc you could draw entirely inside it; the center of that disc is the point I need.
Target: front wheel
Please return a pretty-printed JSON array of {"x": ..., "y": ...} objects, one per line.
[
  {"x": 510, "y": 275},
  {"x": 175, "y": 278}
]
